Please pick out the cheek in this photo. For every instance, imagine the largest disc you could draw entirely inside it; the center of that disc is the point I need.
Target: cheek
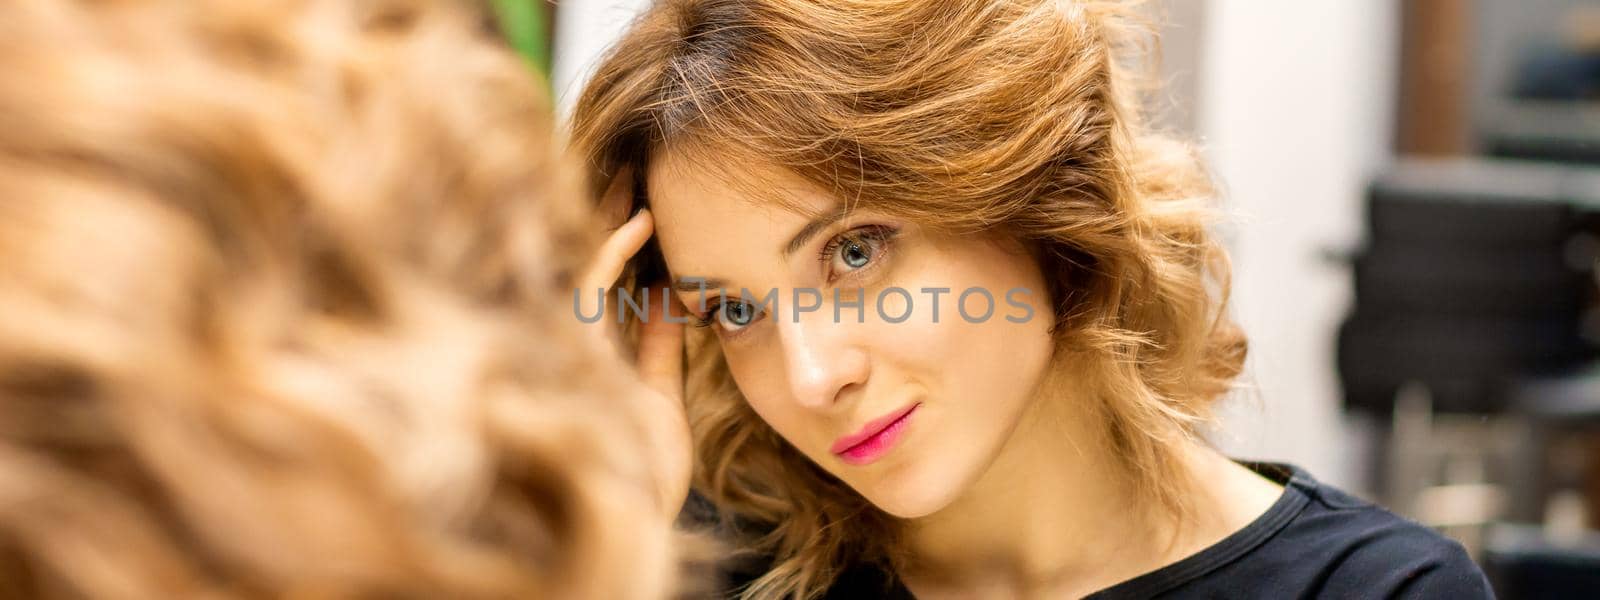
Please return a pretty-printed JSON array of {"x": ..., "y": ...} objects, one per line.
[
  {"x": 986, "y": 355},
  {"x": 961, "y": 360},
  {"x": 982, "y": 375},
  {"x": 759, "y": 374}
]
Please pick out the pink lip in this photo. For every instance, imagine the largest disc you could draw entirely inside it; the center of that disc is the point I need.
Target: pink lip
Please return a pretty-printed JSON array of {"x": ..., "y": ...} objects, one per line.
[{"x": 875, "y": 439}]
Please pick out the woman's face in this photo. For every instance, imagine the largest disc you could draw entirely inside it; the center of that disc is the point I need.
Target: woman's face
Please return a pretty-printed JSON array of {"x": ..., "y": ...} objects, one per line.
[{"x": 905, "y": 400}]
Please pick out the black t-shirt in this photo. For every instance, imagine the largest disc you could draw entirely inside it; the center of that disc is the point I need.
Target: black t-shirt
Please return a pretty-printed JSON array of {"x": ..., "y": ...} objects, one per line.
[{"x": 1314, "y": 542}]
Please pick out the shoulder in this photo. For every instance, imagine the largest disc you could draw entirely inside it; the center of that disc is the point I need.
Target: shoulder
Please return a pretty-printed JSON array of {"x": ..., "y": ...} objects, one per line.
[{"x": 1358, "y": 549}]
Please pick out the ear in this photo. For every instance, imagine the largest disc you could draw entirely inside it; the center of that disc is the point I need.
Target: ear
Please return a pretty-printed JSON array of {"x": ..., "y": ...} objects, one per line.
[{"x": 617, "y": 203}]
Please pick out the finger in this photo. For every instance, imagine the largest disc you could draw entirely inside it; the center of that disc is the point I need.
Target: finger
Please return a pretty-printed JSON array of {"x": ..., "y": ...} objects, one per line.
[
  {"x": 618, "y": 199},
  {"x": 661, "y": 346},
  {"x": 614, "y": 253}
]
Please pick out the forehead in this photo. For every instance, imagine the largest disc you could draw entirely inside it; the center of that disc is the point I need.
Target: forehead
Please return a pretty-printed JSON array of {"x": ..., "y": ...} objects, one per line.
[{"x": 710, "y": 217}]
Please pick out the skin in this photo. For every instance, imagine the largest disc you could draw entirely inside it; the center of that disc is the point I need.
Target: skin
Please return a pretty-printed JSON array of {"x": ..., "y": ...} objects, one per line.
[
  {"x": 659, "y": 361},
  {"x": 1003, "y": 471},
  {"x": 817, "y": 380}
]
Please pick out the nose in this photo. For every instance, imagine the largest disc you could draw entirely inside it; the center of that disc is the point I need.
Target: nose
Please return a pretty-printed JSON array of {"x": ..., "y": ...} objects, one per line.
[{"x": 821, "y": 358}]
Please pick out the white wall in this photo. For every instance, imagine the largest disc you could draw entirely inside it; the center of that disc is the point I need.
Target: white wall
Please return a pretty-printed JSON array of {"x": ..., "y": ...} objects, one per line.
[
  {"x": 1296, "y": 99},
  {"x": 584, "y": 29}
]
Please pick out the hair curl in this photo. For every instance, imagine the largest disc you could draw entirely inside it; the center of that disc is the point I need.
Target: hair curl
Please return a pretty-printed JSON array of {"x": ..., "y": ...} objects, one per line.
[{"x": 282, "y": 313}]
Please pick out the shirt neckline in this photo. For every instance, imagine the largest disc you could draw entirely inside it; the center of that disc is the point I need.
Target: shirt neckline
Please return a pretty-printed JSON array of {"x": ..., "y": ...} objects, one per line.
[{"x": 1297, "y": 487}]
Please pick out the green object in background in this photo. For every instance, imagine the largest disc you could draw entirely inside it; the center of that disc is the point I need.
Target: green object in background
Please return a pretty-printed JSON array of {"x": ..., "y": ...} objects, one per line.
[{"x": 523, "y": 24}]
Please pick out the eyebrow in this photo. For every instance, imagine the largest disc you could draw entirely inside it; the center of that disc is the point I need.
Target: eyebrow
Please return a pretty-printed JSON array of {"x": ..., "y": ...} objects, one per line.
[
  {"x": 812, "y": 229},
  {"x": 695, "y": 286}
]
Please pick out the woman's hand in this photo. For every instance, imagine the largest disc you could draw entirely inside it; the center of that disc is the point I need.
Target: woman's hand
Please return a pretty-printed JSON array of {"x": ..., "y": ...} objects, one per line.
[{"x": 659, "y": 359}]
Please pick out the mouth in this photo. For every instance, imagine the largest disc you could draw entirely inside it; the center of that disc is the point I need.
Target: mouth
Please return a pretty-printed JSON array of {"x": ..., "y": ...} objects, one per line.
[{"x": 875, "y": 439}]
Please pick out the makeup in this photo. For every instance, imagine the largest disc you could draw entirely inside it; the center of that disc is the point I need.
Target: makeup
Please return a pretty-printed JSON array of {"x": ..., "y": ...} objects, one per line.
[{"x": 875, "y": 439}]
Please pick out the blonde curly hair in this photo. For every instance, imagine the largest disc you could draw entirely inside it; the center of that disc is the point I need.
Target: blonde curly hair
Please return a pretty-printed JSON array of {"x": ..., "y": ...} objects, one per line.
[
  {"x": 1022, "y": 117},
  {"x": 282, "y": 314}
]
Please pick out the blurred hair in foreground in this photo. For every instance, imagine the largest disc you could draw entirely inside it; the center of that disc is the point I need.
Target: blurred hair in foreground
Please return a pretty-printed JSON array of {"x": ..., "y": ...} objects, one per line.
[{"x": 282, "y": 314}]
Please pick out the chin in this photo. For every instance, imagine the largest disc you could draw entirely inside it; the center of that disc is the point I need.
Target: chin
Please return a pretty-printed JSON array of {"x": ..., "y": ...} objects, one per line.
[{"x": 907, "y": 494}]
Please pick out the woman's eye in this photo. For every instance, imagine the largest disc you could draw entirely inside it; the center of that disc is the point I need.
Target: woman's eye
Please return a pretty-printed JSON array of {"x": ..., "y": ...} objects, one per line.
[
  {"x": 737, "y": 314},
  {"x": 731, "y": 316},
  {"x": 857, "y": 249},
  {"x": 855, "y": 254}
]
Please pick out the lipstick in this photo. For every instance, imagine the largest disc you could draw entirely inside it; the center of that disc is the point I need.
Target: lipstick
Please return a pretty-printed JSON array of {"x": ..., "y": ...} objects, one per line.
[{"x": 875, "y": 439}]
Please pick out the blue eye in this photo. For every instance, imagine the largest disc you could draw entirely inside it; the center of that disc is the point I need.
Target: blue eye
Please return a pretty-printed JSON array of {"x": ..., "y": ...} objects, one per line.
[
  {"x": 738, "y": 314},
  {"x": 855, "y": 254},
  {"x": 731, "y": 317},
  {"x": 857, "y": 249}
]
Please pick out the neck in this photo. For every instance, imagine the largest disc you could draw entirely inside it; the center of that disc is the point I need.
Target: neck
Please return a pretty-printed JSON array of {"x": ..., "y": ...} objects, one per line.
[{"x": 1055, "y": 511}]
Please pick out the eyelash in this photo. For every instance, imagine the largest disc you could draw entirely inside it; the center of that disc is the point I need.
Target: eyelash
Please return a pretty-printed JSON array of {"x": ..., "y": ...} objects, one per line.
[
  {"x": 871, "y": 234},
  {"x": 881, "y": 235}
]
